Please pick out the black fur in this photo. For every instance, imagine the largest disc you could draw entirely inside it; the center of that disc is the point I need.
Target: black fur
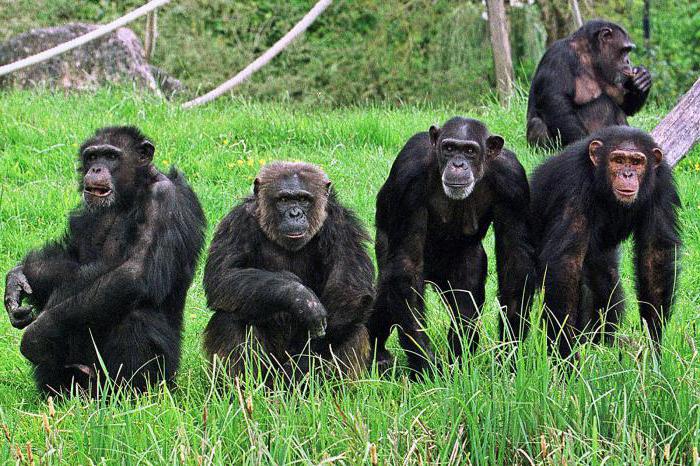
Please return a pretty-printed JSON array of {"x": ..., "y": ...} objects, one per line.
[
  {"x": 553, "y": 111},
  {"x": 423, "y": 236},
  {"x": 580, "y": 226},
  {"x": 116, "y": 281},
  {"x": 259, "y": 288}
]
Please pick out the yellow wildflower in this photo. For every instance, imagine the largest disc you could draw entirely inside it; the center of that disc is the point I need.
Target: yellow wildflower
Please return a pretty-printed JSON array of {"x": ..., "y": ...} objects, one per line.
[
  {"x": 250, "y": 162},
  {"x": 239, "y": 162},
  {"x": 225, "y": 142},
  {"x": 261, "y": 161}
]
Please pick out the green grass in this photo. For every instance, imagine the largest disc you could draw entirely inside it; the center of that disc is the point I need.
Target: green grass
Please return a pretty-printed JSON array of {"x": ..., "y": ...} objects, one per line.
[{"x": 617, "y": 407}]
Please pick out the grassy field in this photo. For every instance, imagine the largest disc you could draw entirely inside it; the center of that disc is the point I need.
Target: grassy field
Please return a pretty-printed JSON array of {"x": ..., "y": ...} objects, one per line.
[{"x": 617, "y": 407}]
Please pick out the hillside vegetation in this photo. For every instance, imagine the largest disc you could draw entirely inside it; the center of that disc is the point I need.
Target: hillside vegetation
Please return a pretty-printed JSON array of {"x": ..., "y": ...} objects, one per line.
[{"x": 359, "y": 51}]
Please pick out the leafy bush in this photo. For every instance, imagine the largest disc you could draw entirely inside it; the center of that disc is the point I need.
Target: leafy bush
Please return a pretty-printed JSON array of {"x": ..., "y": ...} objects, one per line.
[{"x": 359, "y": 51}]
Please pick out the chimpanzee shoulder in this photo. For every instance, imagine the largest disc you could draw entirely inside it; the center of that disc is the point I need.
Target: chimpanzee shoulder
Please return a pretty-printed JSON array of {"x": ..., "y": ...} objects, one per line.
[
  {"x": 560, "y": 181},
  {"x": 238, "y": 226},
  {"x": 507, "y": 178},
  {"x": 663, "y": 204},
  {"x": 407, "y": 184},
  {"x": 559, "y": 58},
  {"x": 343, "y": 229}
]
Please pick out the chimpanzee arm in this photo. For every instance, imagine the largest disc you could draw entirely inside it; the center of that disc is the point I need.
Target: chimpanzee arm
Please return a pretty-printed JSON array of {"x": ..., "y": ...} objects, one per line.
[
  {"x": 657, "y": 249},
  {"x": 251, "y": 294},
  {"x": 48, "y": 268},
  {"x": 163, "y": 258},
  {"x": 41, "y": 272},
  {"x": 348, "y": 292},
  {"x": 515, "y": 256},
  {"x": 638, "y": 89},
  {"x": 561, "y": 260},
  {"x": 554, "y": 101},
  {"x": 401, "y": 282}
]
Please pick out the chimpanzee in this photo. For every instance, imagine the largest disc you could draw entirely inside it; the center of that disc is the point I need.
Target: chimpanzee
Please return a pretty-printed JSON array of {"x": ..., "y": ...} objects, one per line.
[
  {"x": 114, "y": 286},
  {"x": 585, "y": 202},
  {"x": 585, "y": 82},
  {"x": 445, "y": 188},
  {"x": 288, "y": 265}
]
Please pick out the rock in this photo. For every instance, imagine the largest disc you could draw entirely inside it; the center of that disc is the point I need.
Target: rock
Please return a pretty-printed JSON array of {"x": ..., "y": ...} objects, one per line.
[{"x": 114, "y": 58}]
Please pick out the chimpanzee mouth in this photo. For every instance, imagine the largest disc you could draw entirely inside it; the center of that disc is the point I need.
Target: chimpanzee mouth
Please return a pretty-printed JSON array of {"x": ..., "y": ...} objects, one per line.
[
  {"x": 98, "y": 191},
  {"x": 626, "y": 192},
  {"x": 295, "y": 235},
  {"x": 456, "y": 190}
]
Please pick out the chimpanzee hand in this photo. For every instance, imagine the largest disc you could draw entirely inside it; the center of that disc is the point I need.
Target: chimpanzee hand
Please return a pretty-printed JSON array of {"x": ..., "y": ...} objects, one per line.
[
  {"x": 16, "y": 288},
  {"x": 42, "y": 341},
  {"x": 296, "y": 368},
  {"x": 309, "y": 309},
  {"x": 641, "y": 81}
]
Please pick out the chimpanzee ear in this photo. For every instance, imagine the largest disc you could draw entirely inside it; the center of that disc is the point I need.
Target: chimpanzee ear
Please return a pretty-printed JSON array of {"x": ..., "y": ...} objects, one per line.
[
  {"x": 658, "y": 156},
  {"x": 434, "y": 132},
  {"x": 605, "y": 34},
  {"x": 592, "y": 147},
  {"x": 146, "y": 151},
  {"x": 329, "y": 184},
  {"x": 494, "y": 144},
  {"x": 256, "y": 186}
]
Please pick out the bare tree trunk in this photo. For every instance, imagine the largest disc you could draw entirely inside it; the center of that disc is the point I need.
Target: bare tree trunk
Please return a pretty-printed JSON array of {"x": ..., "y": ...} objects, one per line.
[
  {"x": 555, "y": 18},
  {"x": 646, "y": 25},
  {"x": 500, "y": 44},
  {"x": 680, "y": 129},
  {"x": 151, "y": 34},
  {"x": 576, "y": 13}
]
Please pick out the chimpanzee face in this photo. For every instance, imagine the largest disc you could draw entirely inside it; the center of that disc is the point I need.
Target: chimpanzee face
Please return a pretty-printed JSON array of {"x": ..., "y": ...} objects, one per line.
[
  {"x": 463, "y": 149},
  {"x": 111, "y": 163},
  {"x": 626, "y": 167},
  {"x": 293, "y": 208},
  {"x": 613, "y": 61}
]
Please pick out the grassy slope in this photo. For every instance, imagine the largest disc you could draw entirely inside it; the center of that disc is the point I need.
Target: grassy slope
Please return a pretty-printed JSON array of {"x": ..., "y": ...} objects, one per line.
[{"x": 620, "y": 406}]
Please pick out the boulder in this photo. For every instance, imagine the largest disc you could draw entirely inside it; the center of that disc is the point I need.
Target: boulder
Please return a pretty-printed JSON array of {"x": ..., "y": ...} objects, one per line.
[{"x": 114, "y": 58}]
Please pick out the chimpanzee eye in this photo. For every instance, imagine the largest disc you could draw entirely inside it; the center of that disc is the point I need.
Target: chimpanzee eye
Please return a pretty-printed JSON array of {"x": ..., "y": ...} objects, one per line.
[
  {"x": 470, "y": 150},
  {"x": 448, "y": 148}
]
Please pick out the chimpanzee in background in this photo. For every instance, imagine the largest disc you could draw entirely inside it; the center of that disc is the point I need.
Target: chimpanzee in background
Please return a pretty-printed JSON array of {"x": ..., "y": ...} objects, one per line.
[
  {"x": 445, "y": 188},
  {"x": 585, "y": 82},
  {"x": 287, "y": 264},
  {"x": 585, "y": 202},
  {"x": 117, "y": 280}
]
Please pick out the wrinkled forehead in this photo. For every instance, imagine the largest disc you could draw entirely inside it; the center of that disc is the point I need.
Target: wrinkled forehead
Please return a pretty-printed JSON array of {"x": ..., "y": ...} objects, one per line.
[
  {"x": 105, "y": 140},
  {"x": 463, "y": 132},
  {"x": 292, "y": 182},
  {"x": 628, "y": 150},
  {"x": 627, "y": 145}
]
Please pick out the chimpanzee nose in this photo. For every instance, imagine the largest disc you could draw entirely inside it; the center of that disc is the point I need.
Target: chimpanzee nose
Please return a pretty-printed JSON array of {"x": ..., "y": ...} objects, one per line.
[
  {"x": 295, "y": 212},
  {"x": 96, "y": 170},
  {"x": 459, "y": 163},
  {"x": 627, "y": 174}
]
